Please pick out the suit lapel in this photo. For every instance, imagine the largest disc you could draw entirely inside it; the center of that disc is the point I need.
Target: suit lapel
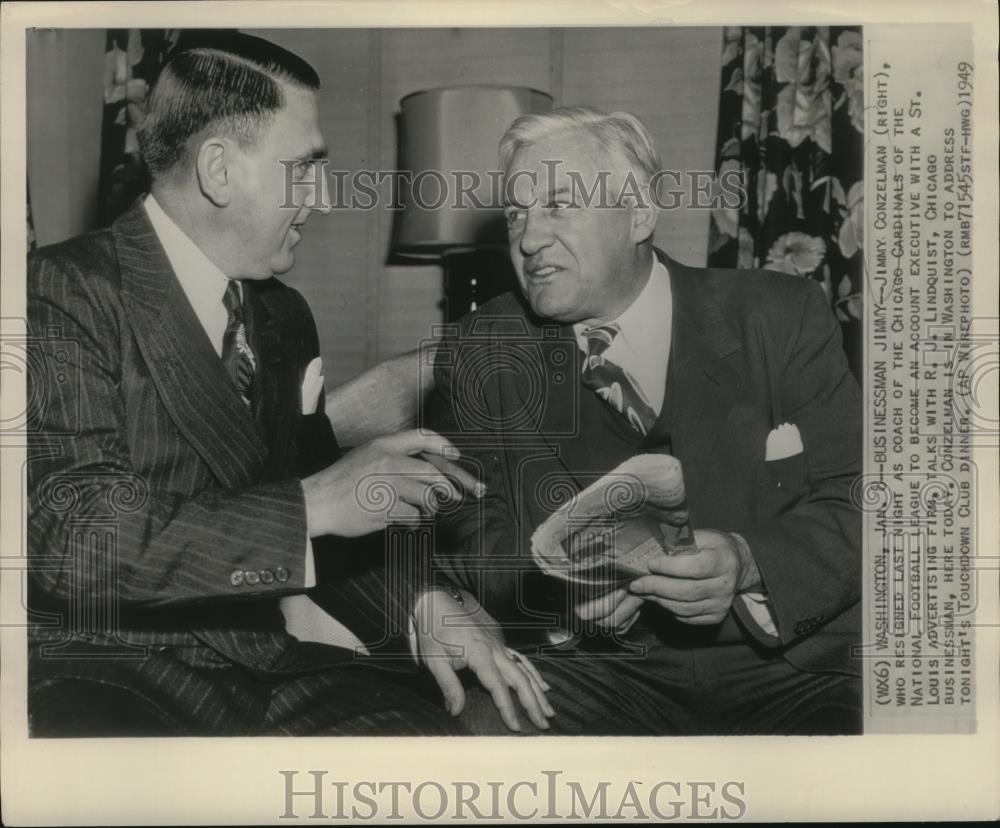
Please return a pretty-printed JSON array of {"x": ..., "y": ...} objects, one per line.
[
  {"x": 542, "y": 391},
  {"x": 187, "y": 373},
  {"x": 277, "y": 394},
  {"x": 704, "y": 380}
]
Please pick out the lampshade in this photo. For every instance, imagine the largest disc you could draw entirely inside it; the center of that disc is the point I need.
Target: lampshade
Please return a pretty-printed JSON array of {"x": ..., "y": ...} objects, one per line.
[{"x": 445, "y": 132}]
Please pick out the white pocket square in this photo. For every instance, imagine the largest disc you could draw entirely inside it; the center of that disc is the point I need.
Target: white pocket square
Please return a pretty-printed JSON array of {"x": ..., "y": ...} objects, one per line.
[
  {"x": 783, "y": 441},
  {"x": 312, "y": 385}
]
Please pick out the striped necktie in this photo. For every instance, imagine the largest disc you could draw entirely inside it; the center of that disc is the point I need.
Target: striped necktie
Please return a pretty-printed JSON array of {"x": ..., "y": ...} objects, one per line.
[
  {"x": 611, "y": 383},
  {"x": 237, "y": 357}
]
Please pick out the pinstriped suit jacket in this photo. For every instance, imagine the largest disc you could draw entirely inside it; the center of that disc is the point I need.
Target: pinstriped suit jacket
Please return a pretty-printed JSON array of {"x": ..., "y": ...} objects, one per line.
[{"x": 161, "y": 511}]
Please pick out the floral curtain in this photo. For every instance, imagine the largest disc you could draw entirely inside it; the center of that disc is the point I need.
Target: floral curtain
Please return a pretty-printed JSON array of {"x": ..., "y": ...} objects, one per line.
[
  {"x": 132, "y": 61},
  {"x": 791, "y": 120},
  {"x": 30, "y": 229}
]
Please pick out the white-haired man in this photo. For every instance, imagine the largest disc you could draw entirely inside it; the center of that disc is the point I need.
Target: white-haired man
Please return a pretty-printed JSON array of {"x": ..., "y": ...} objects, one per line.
[{"x": 750, "y": 634}]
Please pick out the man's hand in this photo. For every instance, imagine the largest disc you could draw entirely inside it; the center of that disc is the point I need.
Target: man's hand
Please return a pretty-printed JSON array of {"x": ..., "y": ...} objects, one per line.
[
  {"x": 451, "y": 635},
  {"x": 698, "y": 588},
  {"x": 407, "y": 473},
  {"x": 615, "y": 612}
]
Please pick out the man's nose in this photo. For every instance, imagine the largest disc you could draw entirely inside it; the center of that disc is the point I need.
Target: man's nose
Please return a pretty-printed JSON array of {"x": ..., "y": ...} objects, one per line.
[
  {"x": 536, "y": 234},
  {"x": 318, "y": 199}
]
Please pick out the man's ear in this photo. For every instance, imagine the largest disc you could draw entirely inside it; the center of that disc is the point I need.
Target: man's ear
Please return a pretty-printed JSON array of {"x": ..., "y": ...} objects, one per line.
[
  {"x": 213, "y": 168},
  {"x": 644, "y": 215}
]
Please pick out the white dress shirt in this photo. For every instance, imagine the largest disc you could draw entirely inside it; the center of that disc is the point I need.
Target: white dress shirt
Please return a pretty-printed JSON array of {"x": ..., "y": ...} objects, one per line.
[
  {"x": 642, "y": 351},
  {"x": 205, "y": 286},
  {"x": 642, "y": 348}
]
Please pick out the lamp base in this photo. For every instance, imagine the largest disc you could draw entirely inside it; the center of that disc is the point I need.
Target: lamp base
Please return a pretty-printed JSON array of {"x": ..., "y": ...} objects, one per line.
[{"x": 472, "y": 278}]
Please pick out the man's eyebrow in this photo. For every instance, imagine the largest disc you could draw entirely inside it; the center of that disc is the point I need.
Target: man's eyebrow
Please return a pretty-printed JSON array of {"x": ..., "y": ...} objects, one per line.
[
  {"x": 558, "y": 191},
  {"x": 312, "y": 154}
]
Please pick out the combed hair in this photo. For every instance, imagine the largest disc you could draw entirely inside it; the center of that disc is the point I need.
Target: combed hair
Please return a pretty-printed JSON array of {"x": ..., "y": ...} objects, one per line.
[
  {"x": 615, "y": 131},
  {"x": 230, "y": 83}
]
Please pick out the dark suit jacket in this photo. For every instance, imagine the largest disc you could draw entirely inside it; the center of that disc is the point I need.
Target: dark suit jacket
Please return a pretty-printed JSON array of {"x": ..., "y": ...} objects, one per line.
[
  {"x": 160, "y": 507},
  {"x": 750, "y": 351}
]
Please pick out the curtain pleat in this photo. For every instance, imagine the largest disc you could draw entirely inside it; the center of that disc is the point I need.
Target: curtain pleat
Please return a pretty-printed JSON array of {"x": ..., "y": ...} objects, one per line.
[{"x": 791, "y": 123}]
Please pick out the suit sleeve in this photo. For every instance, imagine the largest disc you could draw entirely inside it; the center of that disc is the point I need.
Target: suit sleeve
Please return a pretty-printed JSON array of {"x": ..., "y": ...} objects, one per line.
[
  {"x": 95, "y": 526},
  {"x": 476, "y": 544},
  {"x": 809, "y": 555}
]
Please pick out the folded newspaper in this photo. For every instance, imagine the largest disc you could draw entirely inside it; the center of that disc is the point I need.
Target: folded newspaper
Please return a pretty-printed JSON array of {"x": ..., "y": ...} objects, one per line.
[{"x": 605, "y": 536}]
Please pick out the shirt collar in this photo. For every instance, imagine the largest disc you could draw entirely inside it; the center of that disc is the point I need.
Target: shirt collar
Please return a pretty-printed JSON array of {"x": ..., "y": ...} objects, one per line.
[
  {"x": 642, "y": 322},
  {"x": 203, "y": 283}
]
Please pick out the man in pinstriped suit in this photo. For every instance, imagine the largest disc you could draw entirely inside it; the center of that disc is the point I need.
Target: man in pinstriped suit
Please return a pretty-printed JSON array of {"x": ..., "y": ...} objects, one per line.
[{"x": 182, "y": 486}]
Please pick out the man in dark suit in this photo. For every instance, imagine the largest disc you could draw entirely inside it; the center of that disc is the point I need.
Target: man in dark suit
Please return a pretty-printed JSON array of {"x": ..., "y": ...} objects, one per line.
[
  {"x": 612, "y": 350},
  {"x": 183, "y": 480}
]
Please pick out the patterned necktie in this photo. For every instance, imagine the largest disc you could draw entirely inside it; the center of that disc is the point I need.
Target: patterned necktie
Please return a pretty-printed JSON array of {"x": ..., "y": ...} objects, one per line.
[
  {"x": 236, "y": 354},
  {"x": 611, "y": 383}
]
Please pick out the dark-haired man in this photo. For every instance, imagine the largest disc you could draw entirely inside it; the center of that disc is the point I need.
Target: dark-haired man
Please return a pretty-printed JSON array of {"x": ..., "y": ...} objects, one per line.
[{"x": 181, "y": 467}]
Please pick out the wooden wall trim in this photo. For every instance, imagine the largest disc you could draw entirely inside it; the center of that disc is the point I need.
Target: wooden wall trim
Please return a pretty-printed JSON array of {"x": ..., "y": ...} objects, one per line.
[
  {"x": 557, "y": 64},
  {"x": 373, "y": 153}
]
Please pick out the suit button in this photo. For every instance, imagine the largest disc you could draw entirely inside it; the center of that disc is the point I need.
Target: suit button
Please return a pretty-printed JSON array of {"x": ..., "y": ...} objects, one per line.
[
  {"x": 252, "y": 578},
  {"x": 236, "y": 577},
  {"x": 266, "y": 576},
  {"x": 281, "y": 574},
  {"x": 807, "y": 625}
]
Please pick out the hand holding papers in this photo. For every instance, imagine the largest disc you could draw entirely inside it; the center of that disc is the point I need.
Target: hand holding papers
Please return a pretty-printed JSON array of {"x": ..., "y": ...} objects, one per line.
[{"x": 604, "y": 537}]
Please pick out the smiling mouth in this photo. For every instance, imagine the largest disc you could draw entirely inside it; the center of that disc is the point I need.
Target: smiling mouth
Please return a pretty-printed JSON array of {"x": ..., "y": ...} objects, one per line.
[{"x": 543, "y": 272}]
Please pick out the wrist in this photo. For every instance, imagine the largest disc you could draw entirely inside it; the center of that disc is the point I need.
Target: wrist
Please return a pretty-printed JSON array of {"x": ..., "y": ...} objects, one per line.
[
  {"x": 312, "y": 508},
  {"x": 434, "y": 602},
  {"x": 445, "y": 592}
]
